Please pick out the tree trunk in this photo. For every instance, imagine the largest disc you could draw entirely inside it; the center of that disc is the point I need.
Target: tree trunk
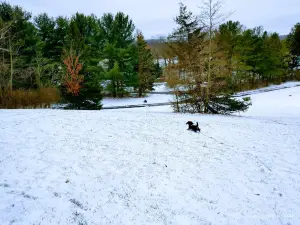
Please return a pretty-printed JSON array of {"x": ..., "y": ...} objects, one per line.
[
  {"x": 38, "y": 69},
  {"x": 140, "y": 91},
  {"x": 122, "y": 92},
  {"x": 209, "y": 64},
  {"x": 10, "y": 84},
  {"x": 118, "y": 89},
  {"x": 38, "y": 77},
  {"x": 114, "y": 89}
]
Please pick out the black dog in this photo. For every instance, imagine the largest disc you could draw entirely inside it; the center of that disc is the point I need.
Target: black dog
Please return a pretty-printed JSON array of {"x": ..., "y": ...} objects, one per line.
[
  {"x": 193, "y": 127},
  {"x": 145, "y": 101}
]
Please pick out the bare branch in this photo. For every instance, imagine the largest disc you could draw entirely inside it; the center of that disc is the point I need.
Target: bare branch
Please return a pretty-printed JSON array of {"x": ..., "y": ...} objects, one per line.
[
  {"x": 4, "y": 50},
  {"x": 211, "y": 15},
  {"x": 4, "y": 30}
]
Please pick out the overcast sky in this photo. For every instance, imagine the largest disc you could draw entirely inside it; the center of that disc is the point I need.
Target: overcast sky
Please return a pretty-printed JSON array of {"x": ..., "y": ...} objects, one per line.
[{"x": 155, "y": 17}]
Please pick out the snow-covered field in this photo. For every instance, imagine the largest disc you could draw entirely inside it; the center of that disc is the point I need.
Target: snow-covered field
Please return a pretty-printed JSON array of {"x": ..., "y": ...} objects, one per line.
[
  {"x": 134, "y": 166},
  {"x": 165, "y": 98},
  {"x": 151, "y": 98},
  {"x": 271, "y": 88}
]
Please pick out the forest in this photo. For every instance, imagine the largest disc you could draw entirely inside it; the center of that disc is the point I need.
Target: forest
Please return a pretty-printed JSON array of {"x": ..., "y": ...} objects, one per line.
[{"x": 80, "y": 59}]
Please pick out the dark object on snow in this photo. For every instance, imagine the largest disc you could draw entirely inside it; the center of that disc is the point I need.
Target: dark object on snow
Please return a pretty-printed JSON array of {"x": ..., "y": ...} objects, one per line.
[
  {"x": 193, "y": 127},
  {"x": 145, "y": 101},
  {"x": 290, "y": 95}
]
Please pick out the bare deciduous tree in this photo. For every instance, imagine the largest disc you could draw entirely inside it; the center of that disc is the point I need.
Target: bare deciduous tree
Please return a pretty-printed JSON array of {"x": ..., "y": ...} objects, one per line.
[{"x": 210, "y": 18}]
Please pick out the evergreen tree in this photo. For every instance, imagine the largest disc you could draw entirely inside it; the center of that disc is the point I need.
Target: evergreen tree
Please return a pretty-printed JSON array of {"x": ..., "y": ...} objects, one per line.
[
  {"x": 115, "y": 77},
  {"x": 146, "y": 67},
  {"x": 118, "y": 37},
  {"x": 227, "y": 39},
  {"x": 293, "y": 41},
  {"x": 272, "y": 65},
  {"x": 187, "y": 23},
  {"x": 46, "y": 32},
  {"x": 19, "y": 39},
  {"x": 80, "y": 91},
  {"x": 81, "y": 44}
]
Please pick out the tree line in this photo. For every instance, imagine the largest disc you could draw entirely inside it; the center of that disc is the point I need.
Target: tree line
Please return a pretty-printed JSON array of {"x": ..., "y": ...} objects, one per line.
[{"x": 84, "y": 56}]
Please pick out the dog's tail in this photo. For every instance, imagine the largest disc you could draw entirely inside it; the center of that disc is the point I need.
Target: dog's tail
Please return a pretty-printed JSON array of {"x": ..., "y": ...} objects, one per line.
[{"x": 197, "y": 124}]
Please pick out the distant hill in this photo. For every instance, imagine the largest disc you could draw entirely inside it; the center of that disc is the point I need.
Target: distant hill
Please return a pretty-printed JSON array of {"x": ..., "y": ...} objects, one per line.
[
  {"x": 153, "y": 41},
  {"x": 282, "y": 37}
]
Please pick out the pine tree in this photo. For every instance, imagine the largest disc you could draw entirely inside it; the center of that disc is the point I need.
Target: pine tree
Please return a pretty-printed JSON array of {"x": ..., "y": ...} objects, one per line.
[
  {"x": 227, "y": 40},
  {"x": 146, "y": 73},
  {"x": 87, "y": 91},
  {"x": 293, "y": 41},
  {"x": 116, "y": 80},
  {"x": 117, "y": 34}
]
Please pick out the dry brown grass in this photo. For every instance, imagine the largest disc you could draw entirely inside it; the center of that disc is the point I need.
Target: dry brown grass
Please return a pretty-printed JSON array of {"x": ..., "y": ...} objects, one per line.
[
  {"x": 246, "y": 86},
  {"x": 28, "y": 99}
]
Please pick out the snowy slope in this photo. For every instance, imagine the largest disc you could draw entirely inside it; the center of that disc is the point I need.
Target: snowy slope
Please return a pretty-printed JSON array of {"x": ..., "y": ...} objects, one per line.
[
  {"x": 139, "y": 167},
  {"x": 151, "y": 98},
  {"x": 280, "y": 103},
  {"x": 158, "y": 97},
  {"x": 273, "y": 87},
  {"x": 163, "y": 87}
]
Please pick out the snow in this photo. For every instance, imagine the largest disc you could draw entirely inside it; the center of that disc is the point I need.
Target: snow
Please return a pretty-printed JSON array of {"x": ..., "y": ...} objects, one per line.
[
  {"x": 161, "y": 87},
  {"x": 151, "y": 98},
  {"x": 279, "y": 103},
  {"x": 272, "y": 87},
  {"x": 156, "y": 109},
  {"x": 133, "y": 166},
  {"x": 157, "y": 95}
]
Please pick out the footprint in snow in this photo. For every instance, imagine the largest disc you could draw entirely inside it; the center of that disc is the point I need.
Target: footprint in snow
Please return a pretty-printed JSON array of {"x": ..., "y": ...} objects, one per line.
[{"x": 78, "y": 204}]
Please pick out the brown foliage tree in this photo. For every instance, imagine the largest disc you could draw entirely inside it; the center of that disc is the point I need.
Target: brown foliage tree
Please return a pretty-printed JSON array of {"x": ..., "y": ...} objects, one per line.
[{"x": 73, "y": 80}]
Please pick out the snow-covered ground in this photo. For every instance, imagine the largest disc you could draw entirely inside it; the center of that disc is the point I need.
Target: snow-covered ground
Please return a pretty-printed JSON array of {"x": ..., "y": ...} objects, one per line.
[
  {"x": 161, "y": 87},
  {"x": 165, "y": 98},
  {"x": 134, "y": 166},
  {"x": 151, "y": 98},
  {"x": 280, "y": 103},
  {"x": 272, "y": 87}
]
